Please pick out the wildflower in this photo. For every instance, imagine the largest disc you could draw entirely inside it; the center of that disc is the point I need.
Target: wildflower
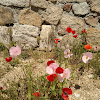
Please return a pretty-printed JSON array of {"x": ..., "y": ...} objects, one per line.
[
  {"x": 59, "y": 70},
  {"x": 73, "y": 32},
  {"x": 84, "y": 31},
  {"x": 52, "y": 68},
  {"x": 65, "y": 74},
  {"x": 52, "y": 77},
  {"x": 87, "y": 56},
  {"x": 69, "y": 30},
  {"x": 75, "y": 36},
  {"x": 50, "y": 62},
  {"x": 88, "y": 46},
  {"x": 67, "y": 53},
  {"x": 56, "y": 40},
  {"x": 65, "y": 93},
  {"x": 15, "y": 51},
  {"x": 95, "y": 49},
  {"x": 67, "y": 46},
  {"x": 36, "y": 94},
  {"x": 8, "y": 59}
]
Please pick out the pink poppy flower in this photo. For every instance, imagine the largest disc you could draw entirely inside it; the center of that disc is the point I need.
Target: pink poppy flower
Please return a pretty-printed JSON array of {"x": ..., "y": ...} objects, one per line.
[
  {"x": 87, "y": 56},
  {"x": 15, "y": 51},
  {"x": 65, "y": 74},
  {"x": 67, "y": 53},
  {"x": 51, "y": 69}
]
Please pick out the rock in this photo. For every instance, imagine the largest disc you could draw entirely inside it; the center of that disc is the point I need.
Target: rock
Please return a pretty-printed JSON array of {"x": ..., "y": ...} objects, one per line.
[
  {"x": 53, "y": 14},
  {"x": 65, "y": 1},
  {"x": 91, "y": 20},
  {"x": 4, "y": 36},
  {"x": 69, "y": 39},
  {"x": 90, "y": 76},
  {"x": 67, "y": 7},
  {"x": 6, "y": 16},
  {"x": 46, "y": 42},
  {"x": 54, "y": 1},
  {"x": 95, "y": 6},
  {"x": 18, "y": 3},
  {"x": 67, "y": 20},
  {"x": 81, "y": 8},
  {"x": 25, "y": 35},
  {"x": 30, "y": 17},
  {"x": 93, "y": 37},
  {"x": 39, "y": 3}
]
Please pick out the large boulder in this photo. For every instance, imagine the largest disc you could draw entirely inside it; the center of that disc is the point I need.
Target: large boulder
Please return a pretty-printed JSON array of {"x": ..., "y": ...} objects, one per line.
[
  {"x": 25, "y": 35},
  {"x": 95, "y": 5},
  {"x": 6, "y": 16},
  {"x": 67, "y": 20},
  {"x": 53, "y": 14},
  {"x": 18, "y": 3},
  {"x": 30, "y": 17},
  {"x": 93, "y": 37},
  {"x": 81, "y": 8}
]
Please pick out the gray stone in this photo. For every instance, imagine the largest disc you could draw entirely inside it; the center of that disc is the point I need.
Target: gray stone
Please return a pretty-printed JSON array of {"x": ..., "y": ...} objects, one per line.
[
  {"x": 91, "y": 20},
  {"x": 53, "y": 14},
  {"x": 4, "y": 36},
  {"x": 30, "y": 17},
  {"x": 25, "y": 35},
  {"x": 67, "y": 20},
  {"x": 18, "y": 3},
  {"x": 39, "y": 3},
  {"x": 46, "y": 43},
  {"x": 6, "y": 16},
  {"x": 81, "y": 8},
  {"x": 95, "y": 5}
]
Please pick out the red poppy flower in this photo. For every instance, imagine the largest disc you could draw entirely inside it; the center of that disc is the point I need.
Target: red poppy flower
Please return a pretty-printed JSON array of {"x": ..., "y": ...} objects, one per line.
[
  {"x": 36, "y": 94},
  {"x": 8, "y": 59},
  {"x": 1, "y": 88},
  {"x": 65, "y": 93},
  {"x": 69, "y": 30},
  {"x": 52, "y": 77},
  {"x": 84, "y": 31},
  {"x": 56, "y": 40},
  {"x": 75, "y": 36},
  {"x": 88, "y": 46},
  {"x": 59, "y": 70},
  {"x": 50, "y": 62},
  {"x": 73, "y": 32}
]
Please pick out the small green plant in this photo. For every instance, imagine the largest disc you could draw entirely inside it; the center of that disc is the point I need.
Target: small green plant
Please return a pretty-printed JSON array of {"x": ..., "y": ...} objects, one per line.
[
  {"x": 14, "y": 62},
  {"x": 24, "y": 55},
  {"x": 2, "y": 47}
]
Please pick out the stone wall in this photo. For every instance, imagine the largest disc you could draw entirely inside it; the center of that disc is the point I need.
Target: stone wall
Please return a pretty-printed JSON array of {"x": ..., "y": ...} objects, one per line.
[{"x": 35, "y": 23}]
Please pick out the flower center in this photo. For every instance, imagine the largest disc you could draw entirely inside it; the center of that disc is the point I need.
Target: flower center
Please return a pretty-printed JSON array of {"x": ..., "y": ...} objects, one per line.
[{"x": 86, "y": 57}]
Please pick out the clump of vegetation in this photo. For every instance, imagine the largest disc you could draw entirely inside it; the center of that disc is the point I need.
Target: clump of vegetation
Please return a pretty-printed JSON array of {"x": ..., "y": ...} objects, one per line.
[
  {"x": 2, "y": 47},
  {"x": 14, "y": 62}
]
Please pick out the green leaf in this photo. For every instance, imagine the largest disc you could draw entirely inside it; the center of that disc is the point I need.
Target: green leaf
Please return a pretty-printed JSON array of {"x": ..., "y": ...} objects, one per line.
[{"x": 60, "y": 91}]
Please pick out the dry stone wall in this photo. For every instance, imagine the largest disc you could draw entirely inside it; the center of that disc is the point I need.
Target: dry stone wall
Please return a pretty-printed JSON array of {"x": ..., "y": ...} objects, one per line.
[{"x": 33, "y": 22}]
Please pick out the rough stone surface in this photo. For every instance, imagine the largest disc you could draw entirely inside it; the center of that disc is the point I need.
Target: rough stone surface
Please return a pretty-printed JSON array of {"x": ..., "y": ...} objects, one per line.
[
  {"x": 6, "y": 16},
  {"x": 53, "y": 14},
  {"x": 30, "y": 17},
  {"x": 67, "y": 20},
  {"x": 65, "y": 1},
  {"x": 91, "y": 20},
  {"x": 4, "y": 36},
  {"x": 25, "y": 35},
  {"x": 39, "y": 3},
  {"x": 95, "y": 6},
  {"x": 67, "y": 7},
  {"x": 69, "y": 39},
  {"x": 45, "y": 39},
  {"x": 18, "y": 3},
  {"x": 81, "y": 8},
  {"x": 93, "y": 37}
]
